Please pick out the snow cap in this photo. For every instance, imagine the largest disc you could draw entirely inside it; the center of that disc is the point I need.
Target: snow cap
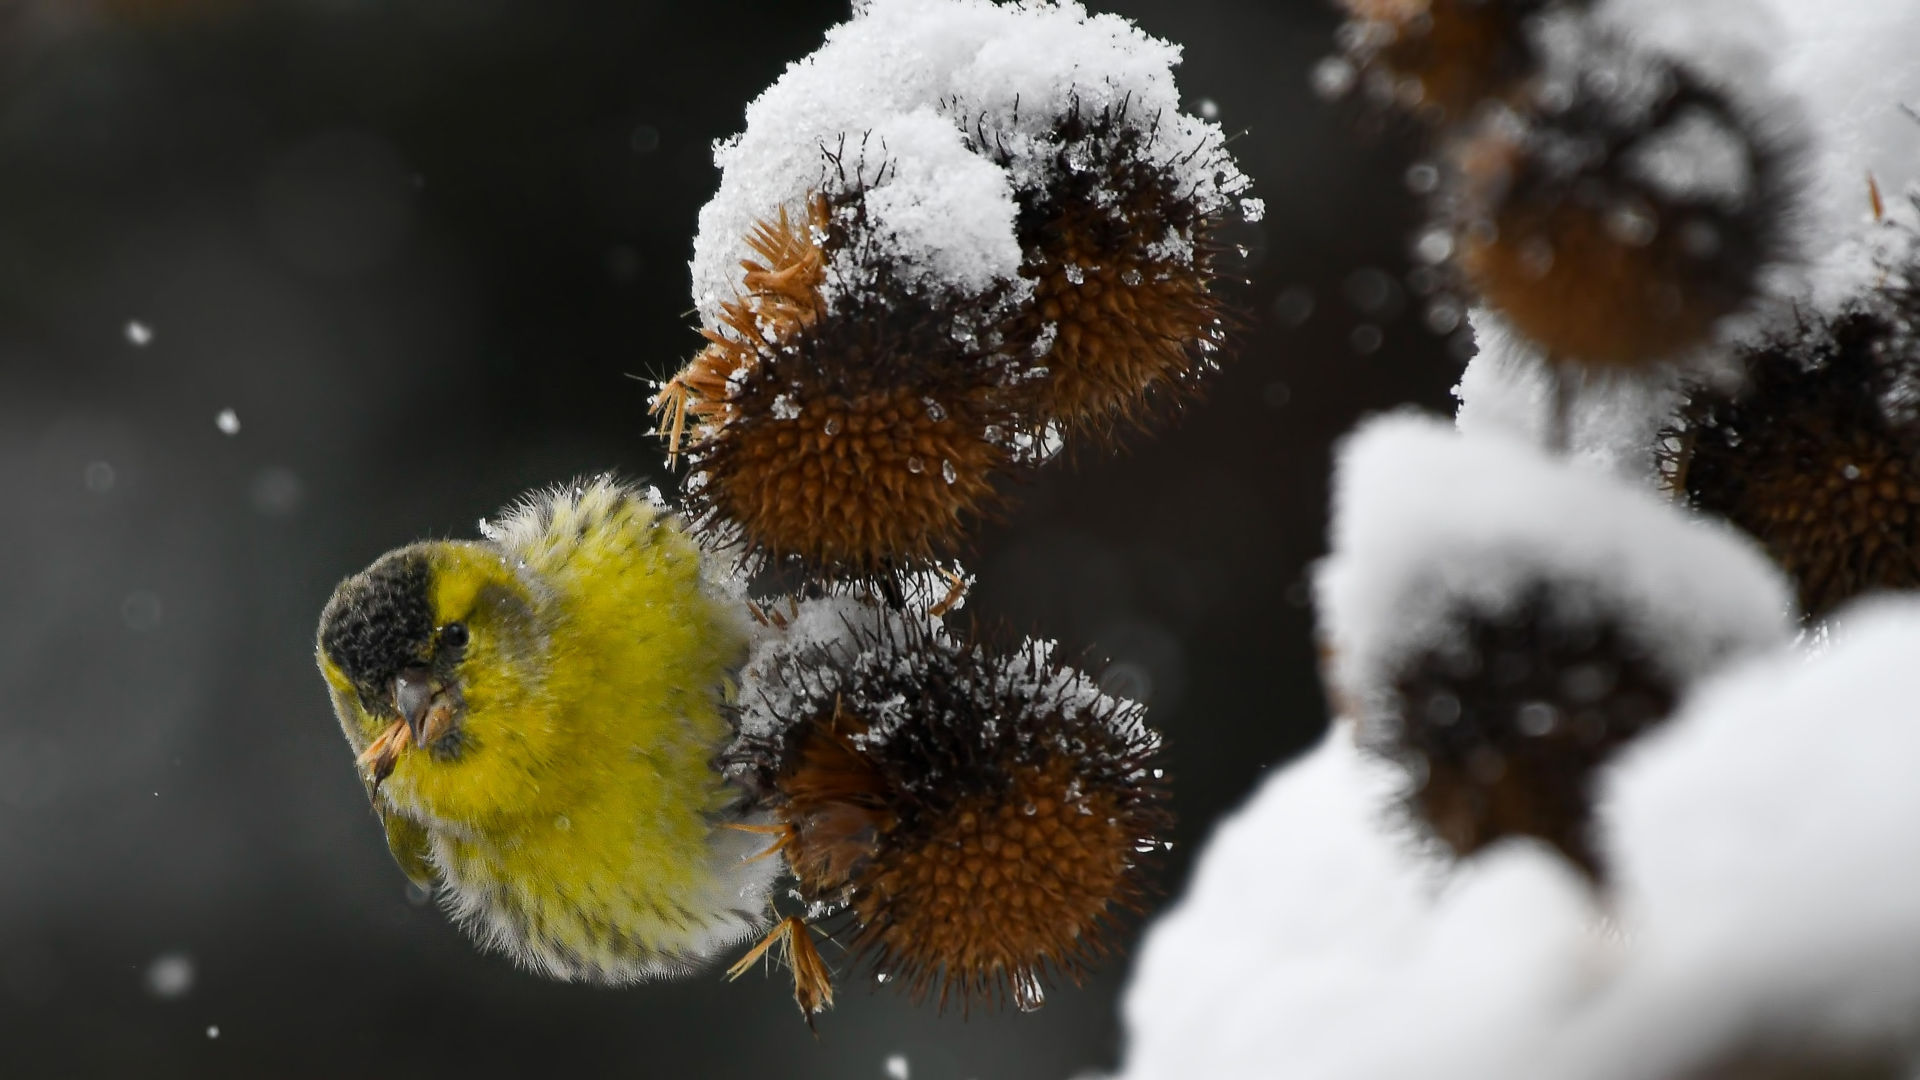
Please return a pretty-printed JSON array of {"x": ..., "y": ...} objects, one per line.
[
  {"x": 1317, "y": 941},
  {"x": 900, "y": 98},
  {"x": 1427, "y": 522}
]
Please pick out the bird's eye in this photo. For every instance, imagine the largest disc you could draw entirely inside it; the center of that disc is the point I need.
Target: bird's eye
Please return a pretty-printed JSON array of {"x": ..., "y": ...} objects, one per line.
[{"x": 454, "y": 635}]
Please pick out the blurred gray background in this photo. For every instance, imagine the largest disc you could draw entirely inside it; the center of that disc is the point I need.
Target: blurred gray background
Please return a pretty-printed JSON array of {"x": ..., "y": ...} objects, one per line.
[{"x": 421, "y": 249}]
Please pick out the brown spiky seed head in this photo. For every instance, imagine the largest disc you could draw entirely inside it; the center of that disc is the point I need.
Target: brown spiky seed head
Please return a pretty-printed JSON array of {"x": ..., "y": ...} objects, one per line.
[
  {"x": 982, "y": 819},
  {"x": 1504, "y": 727},
  {"x": 1125, "y": 315},
  {"x": 859, "y": 434},
  {"x": 1440, "y": 59},
  {"x": 1817, "y": 453},
  {"x": 1626, "y": 211}
]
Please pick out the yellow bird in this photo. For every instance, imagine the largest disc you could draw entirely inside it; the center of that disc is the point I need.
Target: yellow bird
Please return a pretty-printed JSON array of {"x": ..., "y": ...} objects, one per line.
[{"x": 537, "y": 716}]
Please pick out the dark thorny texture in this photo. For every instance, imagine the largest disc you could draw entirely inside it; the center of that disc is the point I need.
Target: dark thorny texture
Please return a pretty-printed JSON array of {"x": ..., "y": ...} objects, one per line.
[
  {"x": 862, "y": 439},
  {"x": 981, "y": 817},
  {"x": 1562, "y": 231},
  {"x": 1125, "y": 324},
  {"x": 1817, "y": 455},
  {"x": 1505, "y": 725},
  {"x": 379, "y": 621}
]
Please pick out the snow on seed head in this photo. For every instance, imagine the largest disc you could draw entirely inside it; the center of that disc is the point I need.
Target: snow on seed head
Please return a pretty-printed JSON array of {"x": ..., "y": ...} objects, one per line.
[{"x": 981, "y": 814}]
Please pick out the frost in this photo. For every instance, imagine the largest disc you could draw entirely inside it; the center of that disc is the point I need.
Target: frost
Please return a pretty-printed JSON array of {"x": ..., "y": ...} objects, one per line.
[
  {"x": 1427, "y": 521},
  {"x": 784, "y": 408}
]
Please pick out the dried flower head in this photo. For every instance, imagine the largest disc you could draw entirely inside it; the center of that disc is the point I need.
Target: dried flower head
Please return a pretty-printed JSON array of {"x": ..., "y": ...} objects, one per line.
[
  {"x": 1440, "y": 59},
  {"x": 857, "y": 432},
  {"x": 1817, "y": 454},
  {"x": 1118, "y": 240},
  {"x": 1505, "y": 724},
  {"x": 1623, "y": 210},
  {"x": 981, "y": 818}
]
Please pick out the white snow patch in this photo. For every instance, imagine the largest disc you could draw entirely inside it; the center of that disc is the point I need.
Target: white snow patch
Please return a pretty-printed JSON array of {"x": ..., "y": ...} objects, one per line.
[
  {"x": 1766, "y": 845},
  {"x": 1315, "y": 941},
  {"x": 1696, "y": 158},
  {"x": 1507, "y": 390},
  {"x": 872, "y": 94},
  {"x": 1428, "y": 522}
]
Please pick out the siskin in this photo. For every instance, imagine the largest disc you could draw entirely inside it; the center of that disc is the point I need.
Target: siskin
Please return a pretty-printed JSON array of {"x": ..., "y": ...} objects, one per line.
[{"x": 536, "y": 716}]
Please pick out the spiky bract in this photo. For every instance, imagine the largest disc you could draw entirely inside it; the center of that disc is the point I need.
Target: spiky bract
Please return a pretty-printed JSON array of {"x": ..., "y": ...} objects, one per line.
[
  {"x": 983, "y": 817},
  {"x": 1122, "y": 256},
  {"x": 1622, "y": 213},
  {"x": 858, "y": 435},
  {"x": 1818, "y": 453},
  {"x": 1504, "y": 726}
]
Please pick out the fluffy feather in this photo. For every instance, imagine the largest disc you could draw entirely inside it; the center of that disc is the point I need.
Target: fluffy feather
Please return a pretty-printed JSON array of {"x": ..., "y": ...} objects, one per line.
[{"x": 570, "y": 812}]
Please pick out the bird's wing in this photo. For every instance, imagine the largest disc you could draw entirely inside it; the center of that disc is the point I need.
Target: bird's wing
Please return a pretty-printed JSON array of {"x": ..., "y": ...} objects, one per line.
[{"x": 407, "y": 840}]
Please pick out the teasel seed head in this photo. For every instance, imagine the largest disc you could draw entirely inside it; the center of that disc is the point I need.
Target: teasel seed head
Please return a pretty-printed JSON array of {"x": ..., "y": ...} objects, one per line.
[
  {"x": 1120, "y": 244},
  {"x": 842, "y": 417},
  {"x": 1504, "y": 727},
  {"x": 980, "y": 818},
  {"x": 1623, "y": 210},
  {"x": 1817, "y": 453},
  {"x": 1440, "y": 60}
]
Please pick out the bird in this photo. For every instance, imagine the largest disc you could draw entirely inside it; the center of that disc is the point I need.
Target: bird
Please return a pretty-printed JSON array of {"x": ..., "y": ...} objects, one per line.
[{"x": 536, "y": 717}]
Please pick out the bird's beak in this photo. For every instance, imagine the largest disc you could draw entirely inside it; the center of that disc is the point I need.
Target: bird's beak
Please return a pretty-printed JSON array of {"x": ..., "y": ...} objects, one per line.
[{"x": 413, "y": 692}]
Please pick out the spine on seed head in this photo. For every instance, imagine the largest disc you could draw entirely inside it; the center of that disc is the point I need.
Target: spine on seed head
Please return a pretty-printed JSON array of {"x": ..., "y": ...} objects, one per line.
[{"x": 980, "y": 817}]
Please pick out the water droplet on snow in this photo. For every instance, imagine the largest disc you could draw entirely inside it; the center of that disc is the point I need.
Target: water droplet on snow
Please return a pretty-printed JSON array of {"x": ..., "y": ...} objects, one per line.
[{"x": 228, "y": 422}]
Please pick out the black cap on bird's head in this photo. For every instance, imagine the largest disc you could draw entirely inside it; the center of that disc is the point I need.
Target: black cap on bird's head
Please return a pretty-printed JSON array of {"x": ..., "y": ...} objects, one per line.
[{"x": 379, "y": 631}]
